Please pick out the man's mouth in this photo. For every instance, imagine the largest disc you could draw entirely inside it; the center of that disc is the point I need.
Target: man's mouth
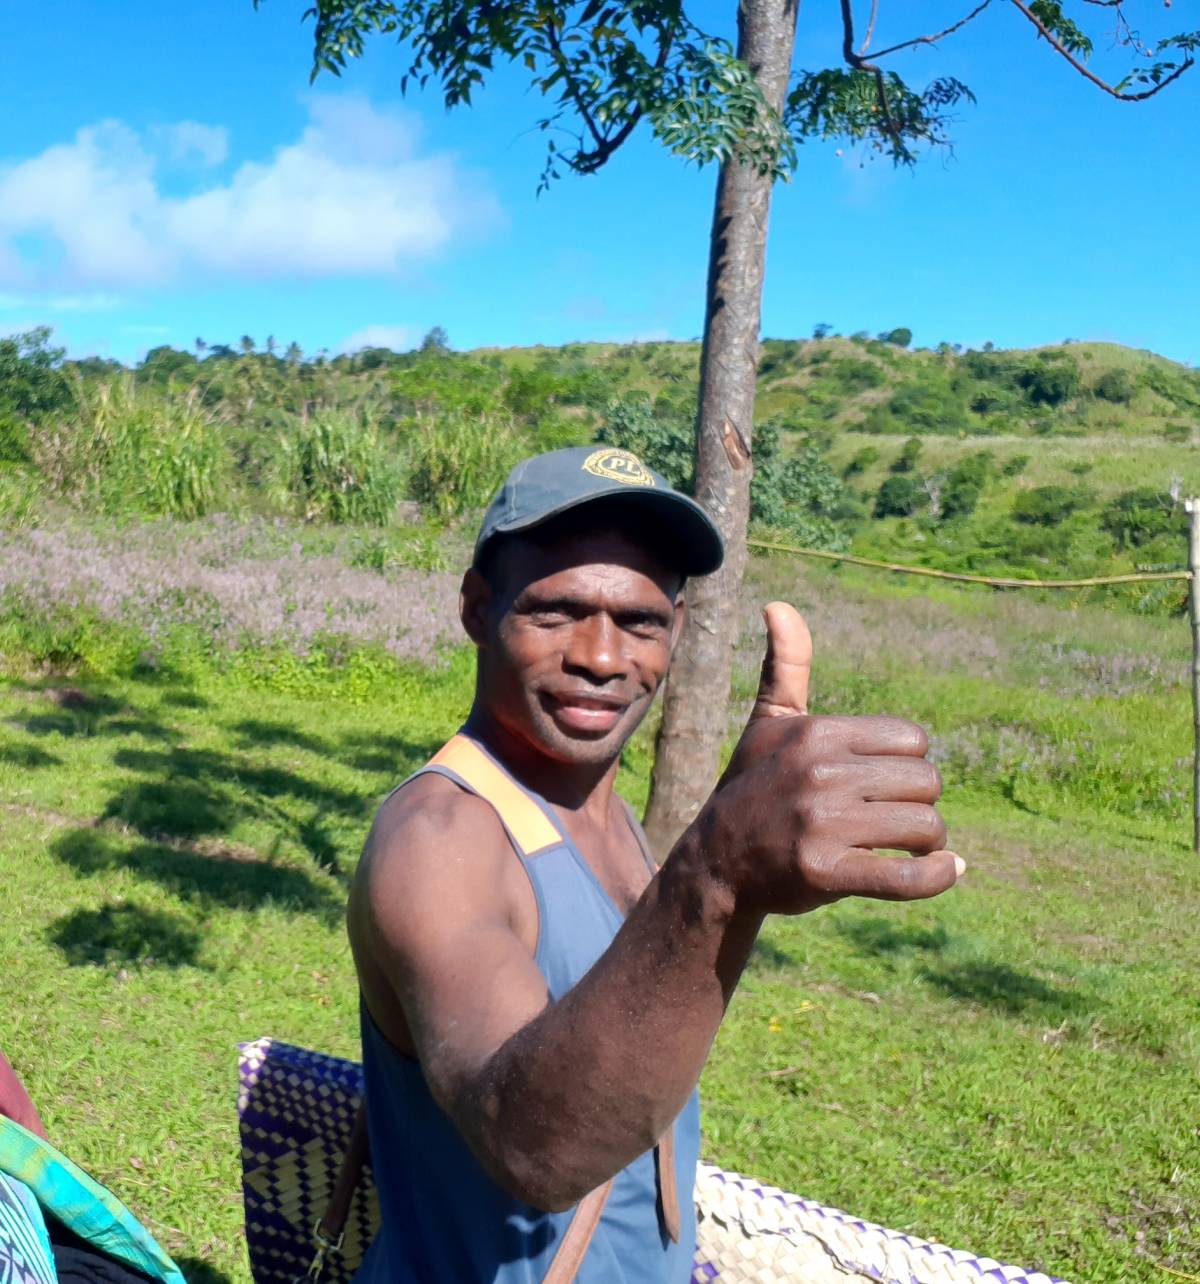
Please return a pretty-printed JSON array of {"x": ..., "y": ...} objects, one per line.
[{"x": 587, "y": 713}]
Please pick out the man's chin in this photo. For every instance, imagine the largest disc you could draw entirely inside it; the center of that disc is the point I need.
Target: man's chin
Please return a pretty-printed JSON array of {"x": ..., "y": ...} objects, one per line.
[{"x": 582, "y": 746}]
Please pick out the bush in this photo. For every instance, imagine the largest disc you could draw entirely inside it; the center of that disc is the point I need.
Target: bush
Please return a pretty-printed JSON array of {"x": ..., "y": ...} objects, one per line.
[
  {"x": 901, "y": 337},
  {"x": 899, "y": 496},
  {"x": 906, "y": 460},
  {"x": 666, "y": 444},
  {"x": 1015, "y": 466},
  {"x": 964, "y": 484},
  {"x": 863, "y": 459},
  {"x": 1135, "y": 517},
  {"x": 1115, "y": 385},
  {"x": 1047, "y": 505},
  {"x": 1050, "y": 383},
  {"x": 849, "y": 375}
]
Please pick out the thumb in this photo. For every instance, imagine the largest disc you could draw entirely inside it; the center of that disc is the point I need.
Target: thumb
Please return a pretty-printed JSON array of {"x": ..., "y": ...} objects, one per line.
[{"x": 783, "y": 687}]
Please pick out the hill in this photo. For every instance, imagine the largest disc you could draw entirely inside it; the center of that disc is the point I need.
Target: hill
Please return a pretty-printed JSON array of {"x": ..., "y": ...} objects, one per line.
[{"x": 1061, "y": 460}]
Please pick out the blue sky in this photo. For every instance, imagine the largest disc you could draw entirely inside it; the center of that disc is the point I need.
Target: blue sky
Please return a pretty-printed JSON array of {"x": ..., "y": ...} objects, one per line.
[{"x": 167, "y": 173}]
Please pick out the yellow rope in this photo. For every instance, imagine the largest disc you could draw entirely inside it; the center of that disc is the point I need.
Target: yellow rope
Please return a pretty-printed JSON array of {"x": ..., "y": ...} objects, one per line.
[
  {"x": 996, "y": 581},
  {"x": 1170, "y": 1270}
]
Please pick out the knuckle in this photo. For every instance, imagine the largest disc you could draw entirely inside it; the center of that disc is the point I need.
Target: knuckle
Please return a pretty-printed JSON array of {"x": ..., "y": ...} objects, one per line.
[
  {"x": 933, "y": 780},
  {"x": 821, "y": 774},
  {"x": 935, "y": 827}
]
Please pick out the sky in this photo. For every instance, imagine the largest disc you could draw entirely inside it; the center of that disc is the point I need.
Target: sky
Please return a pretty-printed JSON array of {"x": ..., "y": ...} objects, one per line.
[{"x": 168, "y": 173}]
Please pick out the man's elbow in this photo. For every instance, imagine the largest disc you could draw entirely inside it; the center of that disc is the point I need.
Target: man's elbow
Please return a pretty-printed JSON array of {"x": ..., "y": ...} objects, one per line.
[{"x": 537, "y": 1180}]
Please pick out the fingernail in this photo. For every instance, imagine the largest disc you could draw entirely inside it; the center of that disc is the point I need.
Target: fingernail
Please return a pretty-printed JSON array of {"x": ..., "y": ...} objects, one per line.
[{"x": 960, "y": 867}]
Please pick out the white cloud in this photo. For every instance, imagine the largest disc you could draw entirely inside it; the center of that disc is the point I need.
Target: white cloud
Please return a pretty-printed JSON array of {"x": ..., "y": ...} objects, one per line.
[
  {"x": 397, "y": 337},
  {"x": 352, "y": 196},
  {"x": 188, "y": 141},
  {"x": 96, "y": 302}
]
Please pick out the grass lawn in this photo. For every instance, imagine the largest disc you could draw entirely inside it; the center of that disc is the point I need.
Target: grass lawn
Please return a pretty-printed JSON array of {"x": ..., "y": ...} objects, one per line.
[{"x": 1011, "y": 1068}]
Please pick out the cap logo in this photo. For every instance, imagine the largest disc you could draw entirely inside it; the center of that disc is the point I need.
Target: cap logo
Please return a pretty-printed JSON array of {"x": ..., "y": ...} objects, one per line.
[{"x": 618, "y": 465}]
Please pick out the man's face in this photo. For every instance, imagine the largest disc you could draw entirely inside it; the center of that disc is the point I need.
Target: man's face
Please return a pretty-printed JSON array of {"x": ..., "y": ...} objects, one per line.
[{"x": 574, "y": 641}]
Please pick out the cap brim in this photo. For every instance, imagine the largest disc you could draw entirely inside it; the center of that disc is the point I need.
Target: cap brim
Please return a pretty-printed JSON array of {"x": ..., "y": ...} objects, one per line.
[{"x": 690, "y": 540}]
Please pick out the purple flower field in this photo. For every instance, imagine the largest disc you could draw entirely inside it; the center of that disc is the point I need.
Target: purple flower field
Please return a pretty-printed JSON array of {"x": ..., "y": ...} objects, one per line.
[{"x": 239, "y": 583}]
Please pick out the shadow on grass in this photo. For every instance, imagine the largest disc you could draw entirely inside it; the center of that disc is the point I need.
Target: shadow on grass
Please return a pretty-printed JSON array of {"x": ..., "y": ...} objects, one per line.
[
  {"x": 210, "y": 879},
  {"x": 876, "y": 937},
  {"x": 194, "y": 793},
  {"x": 393, "y": 756},
  {"x": 125, "y": 933},
  {"x": 92, "y": 712},
  {"x": 197, "y": 1271},
  {"x": 998, "y": 986},
  {"x": 29, "y": 756},
  {"x": 767, "y": 955}
]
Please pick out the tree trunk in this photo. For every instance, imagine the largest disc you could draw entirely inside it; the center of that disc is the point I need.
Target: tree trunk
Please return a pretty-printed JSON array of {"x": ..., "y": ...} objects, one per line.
[{"x": 696, "y": 700}]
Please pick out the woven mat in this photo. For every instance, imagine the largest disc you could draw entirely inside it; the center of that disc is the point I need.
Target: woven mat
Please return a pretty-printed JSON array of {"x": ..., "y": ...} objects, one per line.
[{"x": 296, "y": 1109}]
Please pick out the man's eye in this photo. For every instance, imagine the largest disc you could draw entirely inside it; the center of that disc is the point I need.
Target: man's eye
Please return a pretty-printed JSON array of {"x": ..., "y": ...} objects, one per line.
[{"x": 644, "y": 627}]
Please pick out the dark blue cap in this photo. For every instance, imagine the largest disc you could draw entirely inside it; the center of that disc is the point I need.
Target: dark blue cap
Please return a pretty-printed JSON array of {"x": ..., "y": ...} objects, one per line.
[{"x": 548, "y": 485}]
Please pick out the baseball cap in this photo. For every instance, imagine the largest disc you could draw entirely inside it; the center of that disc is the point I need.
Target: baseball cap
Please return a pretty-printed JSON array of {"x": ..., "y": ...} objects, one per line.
[{"x": 545, "y": 486}]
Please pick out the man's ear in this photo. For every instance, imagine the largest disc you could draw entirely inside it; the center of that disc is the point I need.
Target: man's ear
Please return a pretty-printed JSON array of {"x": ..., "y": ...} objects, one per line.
[{"x": 474, "y": 603}]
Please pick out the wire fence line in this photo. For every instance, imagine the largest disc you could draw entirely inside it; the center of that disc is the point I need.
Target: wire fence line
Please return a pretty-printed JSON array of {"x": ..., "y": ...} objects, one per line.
[
  {"x": 1192, "y": 575},
  {"x": 997, "y": 581}
]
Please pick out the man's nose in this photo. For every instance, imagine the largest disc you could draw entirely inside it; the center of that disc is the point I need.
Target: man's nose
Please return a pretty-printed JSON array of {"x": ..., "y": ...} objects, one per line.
[{"x": 596, "y": 649}]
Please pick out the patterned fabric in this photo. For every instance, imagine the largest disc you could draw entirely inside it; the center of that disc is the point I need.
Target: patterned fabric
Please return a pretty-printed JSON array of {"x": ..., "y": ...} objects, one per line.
[
  {"x": 296, "y": 1110},
  {"x": 95, "y": 1214},
  {"x": 25, "y": 1253}
]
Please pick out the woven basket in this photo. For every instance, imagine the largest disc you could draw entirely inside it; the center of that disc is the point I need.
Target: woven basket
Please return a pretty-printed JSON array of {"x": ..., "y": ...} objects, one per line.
[{"x": 297, "y": 1107}]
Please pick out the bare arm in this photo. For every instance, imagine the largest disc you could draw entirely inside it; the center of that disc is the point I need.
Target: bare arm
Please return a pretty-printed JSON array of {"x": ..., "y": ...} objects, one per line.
[{"x": 556, "y": 1098}]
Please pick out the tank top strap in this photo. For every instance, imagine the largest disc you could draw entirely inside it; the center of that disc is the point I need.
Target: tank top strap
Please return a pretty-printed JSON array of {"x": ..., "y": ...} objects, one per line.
[{"x": 465, "y": 762}]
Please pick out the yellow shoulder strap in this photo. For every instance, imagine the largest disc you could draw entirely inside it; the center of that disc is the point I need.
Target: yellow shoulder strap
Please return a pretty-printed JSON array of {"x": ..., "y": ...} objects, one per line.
[{"x": 530, "y": 827}]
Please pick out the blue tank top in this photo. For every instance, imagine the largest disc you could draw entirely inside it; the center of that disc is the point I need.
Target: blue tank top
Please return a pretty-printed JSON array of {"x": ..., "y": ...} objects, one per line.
[{"x": 443, "y": 1220}]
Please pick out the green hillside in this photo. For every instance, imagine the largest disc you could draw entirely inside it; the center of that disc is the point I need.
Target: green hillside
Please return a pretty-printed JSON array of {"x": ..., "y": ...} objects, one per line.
[{"x": 1062, "y": 460}]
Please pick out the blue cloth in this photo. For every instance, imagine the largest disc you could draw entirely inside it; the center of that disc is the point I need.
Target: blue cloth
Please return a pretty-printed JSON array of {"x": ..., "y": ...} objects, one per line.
[
  {"x": 91, "y": 1211},
  {"x": 443, "y": 1221},
  {"x": 25, "y": 1253}
]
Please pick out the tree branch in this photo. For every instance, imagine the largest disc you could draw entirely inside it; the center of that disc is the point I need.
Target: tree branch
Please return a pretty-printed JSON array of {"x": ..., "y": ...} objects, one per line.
[
  {"x": 930, "y": 40},
  {"x": 866, "y": 42},
  {"x": 859, "y": 63},
  {"x": 1087, "y": 74}
]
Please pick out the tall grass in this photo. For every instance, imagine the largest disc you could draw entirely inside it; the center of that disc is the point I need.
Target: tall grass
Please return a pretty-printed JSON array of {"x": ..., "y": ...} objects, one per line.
[
  {"x": 336, "y": 468},
  {"x": 126, "y": 449},
  {"x": 459, "y": 460}
]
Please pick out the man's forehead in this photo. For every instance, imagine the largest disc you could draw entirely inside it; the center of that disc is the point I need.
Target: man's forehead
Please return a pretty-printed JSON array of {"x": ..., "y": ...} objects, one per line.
[{"x": 588, "y": 555}]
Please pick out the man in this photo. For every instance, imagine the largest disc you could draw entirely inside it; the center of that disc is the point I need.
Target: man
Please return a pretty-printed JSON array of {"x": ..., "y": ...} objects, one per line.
[{"x": 538, "y": 998}]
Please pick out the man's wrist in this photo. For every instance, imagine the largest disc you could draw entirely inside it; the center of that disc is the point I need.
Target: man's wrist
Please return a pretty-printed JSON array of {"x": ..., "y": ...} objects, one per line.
[{"x": 696, "y": 882}]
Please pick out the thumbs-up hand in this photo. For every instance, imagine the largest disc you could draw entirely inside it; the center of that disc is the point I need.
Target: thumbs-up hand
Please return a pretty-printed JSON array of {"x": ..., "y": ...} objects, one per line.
[{"x": 807, "y": 802}]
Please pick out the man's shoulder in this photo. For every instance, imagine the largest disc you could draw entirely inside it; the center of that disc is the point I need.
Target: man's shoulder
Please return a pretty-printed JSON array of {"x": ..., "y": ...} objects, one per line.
[{"x": 431, "y": 811}]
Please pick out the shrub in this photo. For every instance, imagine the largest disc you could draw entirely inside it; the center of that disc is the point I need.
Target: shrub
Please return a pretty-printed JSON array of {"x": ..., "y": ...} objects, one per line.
[
  {"x": 1049, "y": 383},
  {"x": 899, "y": 496},
  {"x": 849, "y": 375},
  {"x": 901, "y": 337},
  {"x": 964, "y": 484},
  {"x": 862, "y": 460},
  {"x": 1047, "y": 505},
  {"x": 1015, "y": 465},
  {"x": 666, "y": 444},
  {"x": 906, "y": 460},
  {"x": 337, "y": 470},
  {"x": 1114, "y": 385},
  {"x": 1135, "y": 517}
]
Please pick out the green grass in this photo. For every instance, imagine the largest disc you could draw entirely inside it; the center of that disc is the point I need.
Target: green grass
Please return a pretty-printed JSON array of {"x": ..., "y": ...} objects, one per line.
[{"x": 1010, "y": 1068}]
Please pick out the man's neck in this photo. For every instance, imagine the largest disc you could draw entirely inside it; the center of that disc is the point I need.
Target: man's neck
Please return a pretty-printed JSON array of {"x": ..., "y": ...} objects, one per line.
[{"x": 585, "y": 788}]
